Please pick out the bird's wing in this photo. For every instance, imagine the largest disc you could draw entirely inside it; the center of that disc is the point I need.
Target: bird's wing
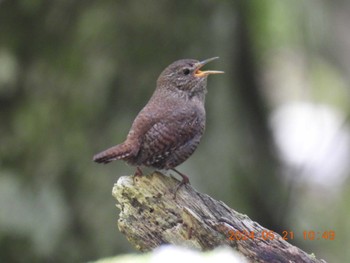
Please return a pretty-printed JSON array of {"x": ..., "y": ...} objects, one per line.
[{"x": 170, "y": 141}]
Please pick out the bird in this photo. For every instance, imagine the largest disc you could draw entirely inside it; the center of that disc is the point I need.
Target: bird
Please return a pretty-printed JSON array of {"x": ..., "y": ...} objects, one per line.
[{"x": 167, "y": 131}]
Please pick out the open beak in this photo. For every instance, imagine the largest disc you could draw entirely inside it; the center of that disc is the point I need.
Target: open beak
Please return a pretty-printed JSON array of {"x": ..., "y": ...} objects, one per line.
[{"x": 199, "y": 73}]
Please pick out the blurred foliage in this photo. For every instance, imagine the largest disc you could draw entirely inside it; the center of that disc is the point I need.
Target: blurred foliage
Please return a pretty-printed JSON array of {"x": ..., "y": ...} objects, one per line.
[{"x": 74, "y": 74}]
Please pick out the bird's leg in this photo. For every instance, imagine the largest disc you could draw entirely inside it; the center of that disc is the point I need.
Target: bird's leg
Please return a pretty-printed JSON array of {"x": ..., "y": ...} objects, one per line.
[
  {"x": 185, "y": 180},
  {"x": 138, "y": 173}
]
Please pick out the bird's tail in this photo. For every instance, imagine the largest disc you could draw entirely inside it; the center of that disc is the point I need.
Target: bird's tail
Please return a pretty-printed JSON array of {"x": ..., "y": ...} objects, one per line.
[{"x": 118, "y": 152}]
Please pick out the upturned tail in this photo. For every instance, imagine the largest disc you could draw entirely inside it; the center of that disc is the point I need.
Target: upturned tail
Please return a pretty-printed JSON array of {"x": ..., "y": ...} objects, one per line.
[{"x": 118, "y": 152}]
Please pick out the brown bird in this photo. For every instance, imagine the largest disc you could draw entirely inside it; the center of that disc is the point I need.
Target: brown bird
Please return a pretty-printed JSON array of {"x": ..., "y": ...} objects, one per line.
[{"x": 168, "y": 129}]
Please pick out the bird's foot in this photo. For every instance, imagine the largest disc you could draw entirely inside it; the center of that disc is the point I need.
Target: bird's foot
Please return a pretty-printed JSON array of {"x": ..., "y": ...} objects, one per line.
[{"x": 185, "y": 181}]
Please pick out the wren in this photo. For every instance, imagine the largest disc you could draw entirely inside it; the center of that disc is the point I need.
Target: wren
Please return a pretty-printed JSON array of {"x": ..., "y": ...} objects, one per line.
[{"x": 168, "y": 129}]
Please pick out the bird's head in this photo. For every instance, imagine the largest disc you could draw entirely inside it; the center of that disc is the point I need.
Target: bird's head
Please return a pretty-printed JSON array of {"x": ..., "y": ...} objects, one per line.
[{"x": 186, "y": 76}]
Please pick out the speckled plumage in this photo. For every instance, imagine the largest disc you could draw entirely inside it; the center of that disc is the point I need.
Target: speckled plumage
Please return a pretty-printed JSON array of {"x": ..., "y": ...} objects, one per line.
[{"x": 168, "y": 129}]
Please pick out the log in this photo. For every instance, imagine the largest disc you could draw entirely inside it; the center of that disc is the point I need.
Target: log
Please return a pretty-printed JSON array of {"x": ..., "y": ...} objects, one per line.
[{"x": 151, "y": 215}]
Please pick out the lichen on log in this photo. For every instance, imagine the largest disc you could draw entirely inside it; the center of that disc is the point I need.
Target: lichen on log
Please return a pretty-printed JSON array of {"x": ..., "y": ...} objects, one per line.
[{"x": 151, "y": 215}]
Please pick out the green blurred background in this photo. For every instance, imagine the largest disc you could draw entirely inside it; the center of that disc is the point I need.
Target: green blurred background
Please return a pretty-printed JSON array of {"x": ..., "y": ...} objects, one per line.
[{"x": 74, "y": 74}]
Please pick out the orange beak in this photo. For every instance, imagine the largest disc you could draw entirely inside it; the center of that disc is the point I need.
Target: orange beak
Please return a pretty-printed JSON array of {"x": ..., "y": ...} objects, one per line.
[{"x": 199, "y": 73}]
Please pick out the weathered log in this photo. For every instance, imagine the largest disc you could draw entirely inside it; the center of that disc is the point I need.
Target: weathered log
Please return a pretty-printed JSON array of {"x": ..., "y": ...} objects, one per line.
[{"x": 151, "y": 215}]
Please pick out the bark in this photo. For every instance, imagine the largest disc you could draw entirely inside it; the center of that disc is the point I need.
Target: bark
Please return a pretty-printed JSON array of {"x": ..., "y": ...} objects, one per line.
[{"x": 151, "y": 215}]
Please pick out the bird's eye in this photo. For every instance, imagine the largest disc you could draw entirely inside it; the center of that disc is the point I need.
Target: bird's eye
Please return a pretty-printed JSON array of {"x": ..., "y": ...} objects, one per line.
[{"x": 186, "y": 71}]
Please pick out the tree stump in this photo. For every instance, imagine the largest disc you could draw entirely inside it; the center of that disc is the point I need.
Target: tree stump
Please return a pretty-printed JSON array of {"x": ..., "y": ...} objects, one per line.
[{"x": 151, "y": 215}]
